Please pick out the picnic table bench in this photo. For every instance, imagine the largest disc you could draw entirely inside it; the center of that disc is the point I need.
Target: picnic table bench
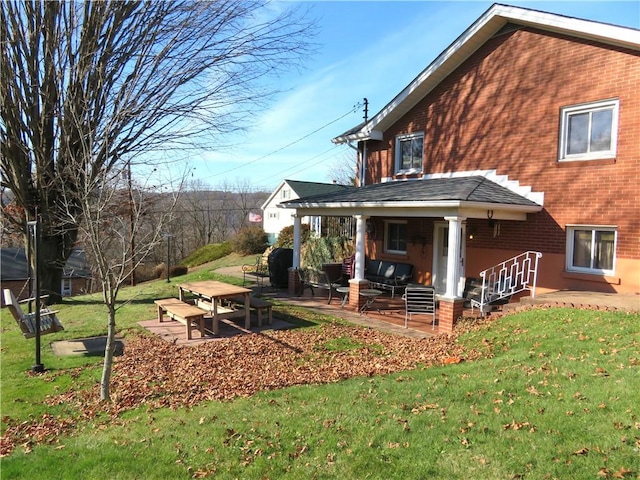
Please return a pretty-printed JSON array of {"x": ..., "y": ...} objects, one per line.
[
  {"x": 188, "y": 315},
  {"x": 257, "y": 304}
]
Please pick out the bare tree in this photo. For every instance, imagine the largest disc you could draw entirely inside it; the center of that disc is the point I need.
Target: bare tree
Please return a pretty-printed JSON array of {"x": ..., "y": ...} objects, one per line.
[
  {"x": 243, "y": 199},
  {"x": 343, "y": 170},
  {"x": 109, "y": 212},
  {"x": 88, "y": 87}
]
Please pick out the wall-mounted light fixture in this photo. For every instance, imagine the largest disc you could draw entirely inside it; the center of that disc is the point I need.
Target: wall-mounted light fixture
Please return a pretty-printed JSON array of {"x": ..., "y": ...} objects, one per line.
[
  {"x": 471, "y": 233},
  {"x": 490, "y": 218}
]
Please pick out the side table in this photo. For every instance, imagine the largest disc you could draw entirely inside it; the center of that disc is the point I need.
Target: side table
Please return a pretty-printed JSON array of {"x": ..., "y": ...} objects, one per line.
[{"x": 370, "y": 295}]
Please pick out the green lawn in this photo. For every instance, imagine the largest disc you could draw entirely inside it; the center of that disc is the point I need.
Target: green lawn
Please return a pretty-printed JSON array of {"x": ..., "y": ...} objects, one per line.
[{"x": 556, "y": 394}]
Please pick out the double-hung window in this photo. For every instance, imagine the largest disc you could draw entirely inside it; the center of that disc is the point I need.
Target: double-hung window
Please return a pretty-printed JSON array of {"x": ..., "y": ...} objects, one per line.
[
  {"x": 395, "y": 237},
  {"x": 409, "y": 153},
  {"x": 591, "y": 249},
  {"x": 589, "y": 131}
]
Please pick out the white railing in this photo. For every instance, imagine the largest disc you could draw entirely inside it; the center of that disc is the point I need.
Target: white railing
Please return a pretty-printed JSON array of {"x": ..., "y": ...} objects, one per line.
[{"x": 512, "y": 276}]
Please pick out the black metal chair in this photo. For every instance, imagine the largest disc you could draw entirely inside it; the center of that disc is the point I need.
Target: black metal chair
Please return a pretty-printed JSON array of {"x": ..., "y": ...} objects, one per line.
[{"x": 304, "y": 274}]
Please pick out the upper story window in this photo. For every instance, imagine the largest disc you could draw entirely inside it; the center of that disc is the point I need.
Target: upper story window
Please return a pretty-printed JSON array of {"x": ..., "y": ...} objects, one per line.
[
  {"x": 589, "y": 131},
  {"x": 395, "y": 237},
  {"x": 284, "y": 194},
  {"x": 409, "y": 153},
  {"x": 591, "y": 249}
]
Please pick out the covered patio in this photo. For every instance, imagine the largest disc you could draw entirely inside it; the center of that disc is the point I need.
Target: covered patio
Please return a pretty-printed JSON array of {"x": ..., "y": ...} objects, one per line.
[{"x": 443, "y": 204}]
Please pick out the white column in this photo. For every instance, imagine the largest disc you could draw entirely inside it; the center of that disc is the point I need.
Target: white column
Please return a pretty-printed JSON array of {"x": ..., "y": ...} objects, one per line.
[
  {"x": 453, "y": 256},
  {"x": 361, "y": 228},
  {"x": 297, "y": 223}
]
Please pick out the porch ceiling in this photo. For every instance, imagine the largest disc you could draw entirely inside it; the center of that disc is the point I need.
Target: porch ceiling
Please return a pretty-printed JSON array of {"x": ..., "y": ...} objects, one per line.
[{"x": 470, "y": 197}]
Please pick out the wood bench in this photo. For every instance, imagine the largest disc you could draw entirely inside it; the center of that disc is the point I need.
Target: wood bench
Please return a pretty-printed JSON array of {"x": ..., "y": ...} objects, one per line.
[
  {"x": 188, "y": 315},
  {"x": 49, "y": 323},
  {"x": 257, "y": 304}
]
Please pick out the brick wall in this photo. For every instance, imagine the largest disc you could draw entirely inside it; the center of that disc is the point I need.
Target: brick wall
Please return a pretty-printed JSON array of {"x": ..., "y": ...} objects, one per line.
[{"x": 501, "y": 110}]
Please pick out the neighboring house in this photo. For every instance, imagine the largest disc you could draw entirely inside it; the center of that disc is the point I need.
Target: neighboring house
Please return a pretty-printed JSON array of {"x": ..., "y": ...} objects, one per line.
[
  {"x": 14, "y": 273},
  {"x": 275, "y": 219},
  {"x": 523, "y": 135}
]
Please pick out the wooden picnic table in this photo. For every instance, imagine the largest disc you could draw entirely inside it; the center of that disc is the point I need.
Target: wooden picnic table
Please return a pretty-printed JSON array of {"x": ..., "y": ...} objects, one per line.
[{"x": 213, "y": 291}]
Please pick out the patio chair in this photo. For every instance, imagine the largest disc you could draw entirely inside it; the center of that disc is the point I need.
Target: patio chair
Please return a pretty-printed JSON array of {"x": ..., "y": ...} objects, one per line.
[
  {"x": 49, "y": 323},
  {"x": 304, "y": 274},
  {"x": 419, "y": 300}
]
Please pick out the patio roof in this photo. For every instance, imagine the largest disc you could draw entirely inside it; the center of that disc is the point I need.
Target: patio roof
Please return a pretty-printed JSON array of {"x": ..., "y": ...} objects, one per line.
[{"x": 470, "y": 196}]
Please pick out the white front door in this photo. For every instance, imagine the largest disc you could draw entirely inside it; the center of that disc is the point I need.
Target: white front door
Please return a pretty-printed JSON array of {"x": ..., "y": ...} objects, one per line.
[{"x": 440, "y": 254}]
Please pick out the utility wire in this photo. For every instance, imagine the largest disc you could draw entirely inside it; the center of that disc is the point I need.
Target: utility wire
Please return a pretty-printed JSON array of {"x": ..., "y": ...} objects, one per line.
[
  {"x": 244, "y": 165},
  {"x": 301, "y": 164}
]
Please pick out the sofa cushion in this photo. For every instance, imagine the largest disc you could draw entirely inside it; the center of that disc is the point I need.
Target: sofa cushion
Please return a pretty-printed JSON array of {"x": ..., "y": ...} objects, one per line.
[
  {"x": 387, "y": 269},
  {"x": 404, "y": 272},
  {"x": 373, "y": 267}
]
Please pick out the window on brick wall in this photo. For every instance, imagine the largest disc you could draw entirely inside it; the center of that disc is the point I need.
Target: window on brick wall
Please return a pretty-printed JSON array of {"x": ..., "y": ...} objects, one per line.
[
  {"x": 589, "y": 131},
  {"x": 409, "y": 153},
  {"x": 591, "y": 249},
  {"x": 395, "y": 237}
]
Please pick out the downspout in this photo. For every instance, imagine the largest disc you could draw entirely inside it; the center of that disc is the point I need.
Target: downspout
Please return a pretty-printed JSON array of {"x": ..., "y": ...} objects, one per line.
[{"x": 363, "y": 167}]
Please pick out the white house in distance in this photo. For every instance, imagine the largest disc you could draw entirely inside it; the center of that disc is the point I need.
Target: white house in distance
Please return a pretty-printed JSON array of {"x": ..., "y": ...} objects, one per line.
[{"x": 275, "y": 218}]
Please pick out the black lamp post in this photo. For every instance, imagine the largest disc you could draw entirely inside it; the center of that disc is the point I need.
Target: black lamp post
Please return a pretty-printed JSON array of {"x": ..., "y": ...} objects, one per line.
[
  {"x": 168, "y": 237},
  {"x": 34, "y": 236}
]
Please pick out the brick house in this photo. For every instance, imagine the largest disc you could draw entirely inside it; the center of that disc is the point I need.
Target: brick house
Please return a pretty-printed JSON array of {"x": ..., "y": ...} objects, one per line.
[
  {"x": 523, "y": 135},
  {"x": 14, "y": 274}
]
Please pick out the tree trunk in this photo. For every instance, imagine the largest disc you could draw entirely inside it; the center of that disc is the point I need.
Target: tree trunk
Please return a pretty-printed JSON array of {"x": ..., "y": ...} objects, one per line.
[
  {"x": 53, "y": 254},
  {"x": 109, "y": 352}
]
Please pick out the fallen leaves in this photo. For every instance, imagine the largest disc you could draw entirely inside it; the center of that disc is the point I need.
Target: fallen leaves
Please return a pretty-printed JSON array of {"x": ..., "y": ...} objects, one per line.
[
  {"x": 158, "y": 374},
  {"x": 622, "y": 472}
]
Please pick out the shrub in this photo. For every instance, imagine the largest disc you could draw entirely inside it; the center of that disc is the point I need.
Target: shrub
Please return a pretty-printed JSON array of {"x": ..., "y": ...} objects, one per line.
[
  {"x": 208, "y": 253},
  {"x": 177, "y": 270},
  {"x": 316, "y": 251},
  {"x": 285, "y": 237},
  {"x": 144, "y": 273},
  {"x": 160, "y": 271},
  {"x": 250, "y": 240}
]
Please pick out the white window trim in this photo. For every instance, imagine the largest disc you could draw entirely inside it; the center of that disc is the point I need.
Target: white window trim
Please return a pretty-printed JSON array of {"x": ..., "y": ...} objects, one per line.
[
  {"x": 386, "y": 236},
  {"x": 569, "y": 249},
  {"x": 565, "y": 112},
  {"x": 66, "y": 287},
  {"x": 398, "y": 153}
]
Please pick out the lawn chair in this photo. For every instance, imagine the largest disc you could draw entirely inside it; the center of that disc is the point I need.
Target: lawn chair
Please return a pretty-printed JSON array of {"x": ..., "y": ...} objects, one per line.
[
  {"x": 259, "y": 270},
  {"x": 305, "y": 281},
  {"x": 419, "y": 300},
  {"x": 49, "y": 323}
]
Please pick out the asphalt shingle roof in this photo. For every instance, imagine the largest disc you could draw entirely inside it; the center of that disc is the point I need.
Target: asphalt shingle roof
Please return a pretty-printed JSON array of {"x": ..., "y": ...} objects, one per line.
[
  {"x": 465, "y": 189},
  {"x": 309, "y": 189},
  {"x": 14, "y": 265}
]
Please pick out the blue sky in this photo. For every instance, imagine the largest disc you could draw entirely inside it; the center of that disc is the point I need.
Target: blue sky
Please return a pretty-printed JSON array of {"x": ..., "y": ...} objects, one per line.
[{"x": 369, "y": 49}]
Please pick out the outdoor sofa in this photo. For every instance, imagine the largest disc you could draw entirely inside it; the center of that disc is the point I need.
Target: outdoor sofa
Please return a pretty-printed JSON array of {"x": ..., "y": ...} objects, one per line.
[{"x": 386, "y": 275}]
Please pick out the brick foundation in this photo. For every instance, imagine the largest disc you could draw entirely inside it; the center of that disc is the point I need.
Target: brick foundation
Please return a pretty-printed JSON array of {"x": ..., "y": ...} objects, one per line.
[
  {"x": 294, "y": 282},
  {"x": 449, "y": 311},
  {"x": 355, "y": 300}
]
